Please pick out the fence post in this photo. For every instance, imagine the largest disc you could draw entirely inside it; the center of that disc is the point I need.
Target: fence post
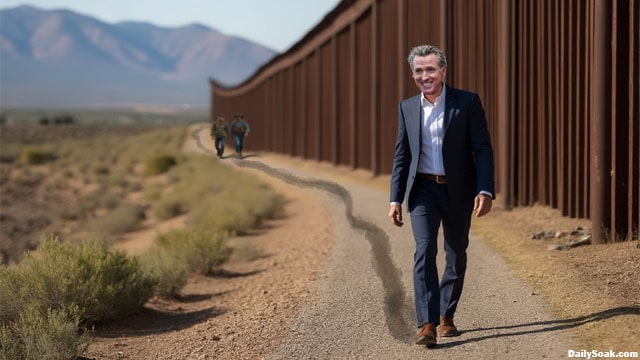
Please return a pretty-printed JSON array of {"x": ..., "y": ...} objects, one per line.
[{"x": 600, "y": 132}]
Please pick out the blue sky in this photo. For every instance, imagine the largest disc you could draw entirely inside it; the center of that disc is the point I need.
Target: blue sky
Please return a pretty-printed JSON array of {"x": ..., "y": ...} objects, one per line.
[{"x": 277, "y": 24}]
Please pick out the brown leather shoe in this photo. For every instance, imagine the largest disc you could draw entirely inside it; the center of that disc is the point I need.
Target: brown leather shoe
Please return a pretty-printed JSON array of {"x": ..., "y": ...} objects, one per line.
[
  {"x": 447, "y": 328},
  {"x": 427, "y": 335}
]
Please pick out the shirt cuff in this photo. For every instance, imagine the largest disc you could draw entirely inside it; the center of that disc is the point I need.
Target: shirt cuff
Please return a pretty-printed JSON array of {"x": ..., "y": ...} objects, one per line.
[
  {"x": 486, "y": 193},
  {"x": 395, "y": 203}
]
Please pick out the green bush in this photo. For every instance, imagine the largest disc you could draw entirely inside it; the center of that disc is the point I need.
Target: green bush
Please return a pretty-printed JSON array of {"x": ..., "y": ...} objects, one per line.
[
  {"x": 48, "y": 335},
  {"x": 158, "y": 164},
  {"x": 61, "y": 287},
  {"x": 222, "y": 199},
  {"x": 11, "y": 302},
  {"x": 124, "y": 218},
  {"x": 35, "y": 156},
  {"x": 170, "y": 272},
  {"x": 10, "y": 345},
  {"x": 102, "y": 283},
  {"x": 101, "y": 170},
  {"x": 201, "y": 250},
  {"x": 242, "y": 206},
  {"x": 181, "y": 252},
  {"x": 167, "y": 208},
  {"x": 231, "y": 218},
  {"x": 11, "y": 153}
]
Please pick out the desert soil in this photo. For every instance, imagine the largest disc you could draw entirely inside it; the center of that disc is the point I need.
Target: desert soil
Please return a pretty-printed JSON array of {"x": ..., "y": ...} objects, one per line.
[{"x": 254, "y": 305}]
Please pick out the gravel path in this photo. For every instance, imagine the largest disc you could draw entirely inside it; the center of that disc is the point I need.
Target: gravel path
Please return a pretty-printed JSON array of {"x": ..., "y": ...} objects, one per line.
[{"x": 364, "y": 307}]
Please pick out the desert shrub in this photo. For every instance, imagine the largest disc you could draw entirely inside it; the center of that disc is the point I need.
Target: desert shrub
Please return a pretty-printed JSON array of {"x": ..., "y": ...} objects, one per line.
[
  {"x": 101, "y": 170},
  {"x": 196, "y": 178},
  {"x": 101, "y": 283},
  {"x": 158, "y": 164},
  {"x": 112, "y": 202},
  {"x": 48, "y": 335},
  {"x": 10, "y": 300},
  {"x": 242, "y": 206},
  {"x": 120, "y": 153},
  {"x": 222, "y": 199},
  {"x": 245, "y": 249},
  {"x": 10, "y": 345},
  {"x": 167, "y": 208},
  {"x": 101, "y": 197},
  {"x": 201, "y": 250},
  {"x": 10, "y": 153},
  {"x": 122, "y": 219},
  {"x": 69, "y": 212},
  {"x": 259, "y": 200},
  {"x": 169, "y": 271},
  {"x": 35, "y": 156},
  {"x": 231, "y": 217},
  {"x": 180, "y": 252},
  {"x": 152, "y": 193}
]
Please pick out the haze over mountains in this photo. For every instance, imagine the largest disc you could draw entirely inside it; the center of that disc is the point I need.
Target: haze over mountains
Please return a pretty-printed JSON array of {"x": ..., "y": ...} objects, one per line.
[{"x": 59, "y": 58}]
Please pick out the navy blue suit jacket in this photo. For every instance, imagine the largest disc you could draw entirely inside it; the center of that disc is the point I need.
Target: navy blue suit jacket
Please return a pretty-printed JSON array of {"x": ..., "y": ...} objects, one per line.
[{"x": 466, "y": 148}]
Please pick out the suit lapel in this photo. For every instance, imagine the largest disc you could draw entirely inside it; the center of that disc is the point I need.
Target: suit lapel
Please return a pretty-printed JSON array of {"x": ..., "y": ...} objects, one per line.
[
  {"x": 416, "y": 123},
  {"x": 449, "y": 108}
]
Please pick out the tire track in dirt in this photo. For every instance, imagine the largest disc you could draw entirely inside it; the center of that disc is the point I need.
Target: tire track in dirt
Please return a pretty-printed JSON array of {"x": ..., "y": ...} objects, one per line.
[{"x": 387, "y": 272}]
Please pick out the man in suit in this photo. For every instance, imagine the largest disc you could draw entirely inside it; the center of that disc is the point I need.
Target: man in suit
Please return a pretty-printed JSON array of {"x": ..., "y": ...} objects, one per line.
[{"x": 443, "y": 166}]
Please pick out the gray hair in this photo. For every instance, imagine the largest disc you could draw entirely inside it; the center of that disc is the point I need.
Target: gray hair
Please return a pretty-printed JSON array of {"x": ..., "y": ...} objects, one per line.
[{"x": 424, "y": 50}]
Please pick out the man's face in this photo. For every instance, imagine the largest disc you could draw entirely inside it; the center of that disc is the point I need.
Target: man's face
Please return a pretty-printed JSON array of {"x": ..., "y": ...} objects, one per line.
[{"x": 428, "y": 75}]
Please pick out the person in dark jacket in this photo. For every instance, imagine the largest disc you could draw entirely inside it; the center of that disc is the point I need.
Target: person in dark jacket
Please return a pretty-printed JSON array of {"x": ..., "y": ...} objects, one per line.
[{"x": 219, "y": 133}]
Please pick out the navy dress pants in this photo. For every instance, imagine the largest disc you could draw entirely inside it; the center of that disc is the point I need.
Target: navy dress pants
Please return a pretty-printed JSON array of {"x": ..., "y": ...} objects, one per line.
[{"x": 429, "y": 207}]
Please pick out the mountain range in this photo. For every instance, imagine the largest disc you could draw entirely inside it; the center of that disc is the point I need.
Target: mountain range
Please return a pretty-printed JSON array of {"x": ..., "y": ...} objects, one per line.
[{"x": 59, "y": 58}]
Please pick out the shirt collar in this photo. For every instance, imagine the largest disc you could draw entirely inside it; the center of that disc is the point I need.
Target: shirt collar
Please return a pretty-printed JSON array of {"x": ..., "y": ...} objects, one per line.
[{"x": 424, "y": 102}]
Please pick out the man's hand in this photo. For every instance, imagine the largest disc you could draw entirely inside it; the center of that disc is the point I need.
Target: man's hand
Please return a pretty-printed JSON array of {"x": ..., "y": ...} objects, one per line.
[
  {"x": 482, "y": 204},
  {"x": 395, "y": 214}
]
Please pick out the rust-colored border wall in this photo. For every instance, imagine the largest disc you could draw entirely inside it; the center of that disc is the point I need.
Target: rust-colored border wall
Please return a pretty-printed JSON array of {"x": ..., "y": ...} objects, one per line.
[
  {"x": 345, "y": 97},
  {"x": 559, "y": 82}
]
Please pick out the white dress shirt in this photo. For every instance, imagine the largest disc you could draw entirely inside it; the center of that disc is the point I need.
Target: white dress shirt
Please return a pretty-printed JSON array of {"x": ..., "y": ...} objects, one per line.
[{"x": 432, "y": 135}]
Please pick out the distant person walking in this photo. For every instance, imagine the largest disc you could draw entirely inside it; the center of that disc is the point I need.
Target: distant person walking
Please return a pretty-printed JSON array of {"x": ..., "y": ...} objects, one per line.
[
  {"x": 219, "y": 133},
  {"x": 240, "y": 129}
]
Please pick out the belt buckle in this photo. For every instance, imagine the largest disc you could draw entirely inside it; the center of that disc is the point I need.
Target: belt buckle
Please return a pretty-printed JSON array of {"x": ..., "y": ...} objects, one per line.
[{"x": 440, "y": 179}]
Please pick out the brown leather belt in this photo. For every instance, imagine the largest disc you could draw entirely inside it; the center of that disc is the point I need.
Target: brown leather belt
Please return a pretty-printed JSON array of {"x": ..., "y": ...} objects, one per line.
[{"x": 440, "y": 179}]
